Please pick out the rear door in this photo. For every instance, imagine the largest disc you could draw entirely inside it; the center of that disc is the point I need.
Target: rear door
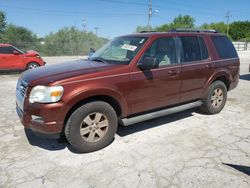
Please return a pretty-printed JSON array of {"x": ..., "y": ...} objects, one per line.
[{"x": 196, "y": 66}]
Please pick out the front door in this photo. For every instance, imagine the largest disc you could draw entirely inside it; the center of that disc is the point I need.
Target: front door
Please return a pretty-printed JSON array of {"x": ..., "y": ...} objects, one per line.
[
  {"x": 160, "y": 86},
  {"x": 9, "y": 60}
]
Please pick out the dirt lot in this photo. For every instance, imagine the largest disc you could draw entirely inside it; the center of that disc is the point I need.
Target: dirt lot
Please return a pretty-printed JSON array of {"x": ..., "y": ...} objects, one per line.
[{"x": 187, "y": 149}]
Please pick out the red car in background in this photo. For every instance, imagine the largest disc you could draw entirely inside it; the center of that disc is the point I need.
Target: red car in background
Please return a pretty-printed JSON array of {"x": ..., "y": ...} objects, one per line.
[{"x": 12, "y": 58}]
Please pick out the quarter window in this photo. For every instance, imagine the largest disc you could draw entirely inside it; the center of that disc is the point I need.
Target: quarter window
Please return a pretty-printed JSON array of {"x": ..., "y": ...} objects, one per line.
[{"x": 224, "y": 47}]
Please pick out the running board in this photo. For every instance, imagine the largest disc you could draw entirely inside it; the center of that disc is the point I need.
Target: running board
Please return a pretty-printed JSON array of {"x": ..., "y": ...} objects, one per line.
[{"x": 156, "y": 114}]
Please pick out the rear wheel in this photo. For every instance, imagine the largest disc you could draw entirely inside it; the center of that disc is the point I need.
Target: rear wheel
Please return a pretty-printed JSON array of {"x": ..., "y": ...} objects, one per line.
[
  {"x": 32, "y": 65},
  {"x": 91, "y": 126},
  {"x": 215, "y": 98}
]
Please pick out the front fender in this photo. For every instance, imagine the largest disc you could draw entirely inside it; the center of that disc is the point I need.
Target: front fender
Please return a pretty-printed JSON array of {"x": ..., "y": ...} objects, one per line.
[{"x": 77, "y": 96}]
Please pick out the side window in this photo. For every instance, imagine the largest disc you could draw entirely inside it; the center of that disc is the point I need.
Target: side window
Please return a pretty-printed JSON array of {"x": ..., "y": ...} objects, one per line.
[
  {"x": 204, "y": 52},
  {"x": 191, "y": 49},
  {"x": 163, "y": 50},
  {"x": 6, "y": 50},
  {"x": 224, "y": 47}
]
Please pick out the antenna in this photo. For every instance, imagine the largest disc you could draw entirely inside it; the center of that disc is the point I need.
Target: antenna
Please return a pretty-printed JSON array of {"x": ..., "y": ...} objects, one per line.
[{"x": 84, "y": 25}]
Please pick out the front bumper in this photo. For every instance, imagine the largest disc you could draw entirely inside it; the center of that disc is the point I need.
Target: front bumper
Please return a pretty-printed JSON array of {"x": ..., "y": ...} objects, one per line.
[
  {"x": 45, "y": 120},
  {"x": 42, "y": 119}
]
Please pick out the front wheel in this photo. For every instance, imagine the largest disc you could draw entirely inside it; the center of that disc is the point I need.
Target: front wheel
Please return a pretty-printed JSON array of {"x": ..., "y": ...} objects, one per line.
[
  {"x": 215, "y": 98},
  {"x": 91, "y": 126},
  {"x": 32, "y": 65}
]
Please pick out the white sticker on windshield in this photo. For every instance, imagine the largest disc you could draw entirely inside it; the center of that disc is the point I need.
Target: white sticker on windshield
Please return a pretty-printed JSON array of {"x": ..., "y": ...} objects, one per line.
[{"x": 129, "y": 47}]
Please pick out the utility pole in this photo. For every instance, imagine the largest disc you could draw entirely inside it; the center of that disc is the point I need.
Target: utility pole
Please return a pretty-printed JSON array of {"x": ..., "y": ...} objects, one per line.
[
  {"x": 70, "y": 43},
  {"x": 228, "y": 15},
  {"x": 84, "y": 25},
  {"x": 96, "y": 30},
  {"x": 149, "y": 13}
]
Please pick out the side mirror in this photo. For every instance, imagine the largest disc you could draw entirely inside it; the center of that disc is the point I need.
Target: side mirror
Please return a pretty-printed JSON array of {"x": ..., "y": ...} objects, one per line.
[
  {"x": 92, "y": 50},
  {"x": 15, "y": 52},
  {"x": 147, "y": 63}
]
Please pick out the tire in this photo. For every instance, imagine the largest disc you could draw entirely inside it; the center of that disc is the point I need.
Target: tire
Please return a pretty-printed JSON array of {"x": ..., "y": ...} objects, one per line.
[
  {"x": 94, "y": 118},
  {"x": 215, "y": 98},
  {"x": 32, "y": 65}
]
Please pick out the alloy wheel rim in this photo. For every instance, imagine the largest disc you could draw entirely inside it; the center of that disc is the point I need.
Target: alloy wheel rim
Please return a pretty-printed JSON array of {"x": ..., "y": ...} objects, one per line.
[
  {"x": 32, "y": 66},
  {"x": 94, "y": 127},
  {"x": 217, "y": 98}
]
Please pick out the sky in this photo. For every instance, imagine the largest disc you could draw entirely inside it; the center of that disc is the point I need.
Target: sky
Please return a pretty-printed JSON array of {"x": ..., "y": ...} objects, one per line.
[{"x": 116, "y": 17}]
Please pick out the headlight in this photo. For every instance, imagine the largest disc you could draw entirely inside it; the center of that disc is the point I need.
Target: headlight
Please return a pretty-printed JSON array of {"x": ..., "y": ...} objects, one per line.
[
  {"x": 38, "y": 56},
  {"x": 44, "y": 94}
]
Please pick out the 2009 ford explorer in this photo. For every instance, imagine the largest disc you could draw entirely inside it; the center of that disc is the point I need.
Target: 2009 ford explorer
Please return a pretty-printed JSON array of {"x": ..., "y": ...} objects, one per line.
[{"x": 130, "y": 79}]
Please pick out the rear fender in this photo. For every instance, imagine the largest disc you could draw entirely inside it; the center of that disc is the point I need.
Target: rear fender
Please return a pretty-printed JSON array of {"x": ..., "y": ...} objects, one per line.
[{"x": 215, "y": 76}]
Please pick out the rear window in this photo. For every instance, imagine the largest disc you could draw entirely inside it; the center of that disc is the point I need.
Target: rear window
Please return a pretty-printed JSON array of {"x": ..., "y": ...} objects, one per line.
[{"x": 224, "y": 47}]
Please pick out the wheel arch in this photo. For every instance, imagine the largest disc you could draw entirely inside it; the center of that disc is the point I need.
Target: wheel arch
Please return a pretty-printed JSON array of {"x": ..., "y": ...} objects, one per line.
[
  {"x": 224, "y": 79},
  {"x": 221, "y": 76},
  {"x": 111, "y": 100}
]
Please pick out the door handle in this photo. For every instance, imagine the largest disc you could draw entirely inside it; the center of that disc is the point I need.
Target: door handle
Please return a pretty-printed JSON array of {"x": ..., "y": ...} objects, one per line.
[
  {"x": 172, "y": 72},
  {"x": 209, "y": 66}
]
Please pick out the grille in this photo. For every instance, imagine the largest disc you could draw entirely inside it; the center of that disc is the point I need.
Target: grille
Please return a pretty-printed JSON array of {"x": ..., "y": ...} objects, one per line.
[{"x": 22, "y": 87}]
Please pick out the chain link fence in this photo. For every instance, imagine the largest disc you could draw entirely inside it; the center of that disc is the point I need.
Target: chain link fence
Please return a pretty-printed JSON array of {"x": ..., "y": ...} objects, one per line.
[{"x": 66, "y": 48}]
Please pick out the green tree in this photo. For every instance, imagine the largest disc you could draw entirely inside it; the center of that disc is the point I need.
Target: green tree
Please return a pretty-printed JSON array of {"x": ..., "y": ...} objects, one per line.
[
  {"x": 20, "y": 37},
  {"x": 220, "y": 26},
  {"x": 180, "y": 21},
  {"x": 240, "y": 30},
  {"x": 143, "y": 28},
  {"x": 185, "y": 21},
  {"x": 163, "y": 28},
  {"x": 71, "y": 41},
  {"x": 2, "y": 21}
]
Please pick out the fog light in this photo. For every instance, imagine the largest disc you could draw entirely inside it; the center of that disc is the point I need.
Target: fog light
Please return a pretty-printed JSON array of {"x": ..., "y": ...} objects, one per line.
[{"x": 37, "y": 118}]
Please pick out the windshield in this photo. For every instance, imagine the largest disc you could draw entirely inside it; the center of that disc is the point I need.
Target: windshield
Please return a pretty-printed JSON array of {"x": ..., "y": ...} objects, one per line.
[{"x": 120, "y": 50}]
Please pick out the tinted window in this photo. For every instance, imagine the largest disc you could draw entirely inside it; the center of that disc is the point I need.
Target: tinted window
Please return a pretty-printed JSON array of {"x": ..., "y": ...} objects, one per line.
[
  {"x": 163, "y": 50},
  {"x": 191, "y": 49},
  {"x": 6, "y": 50},
  {"x": 204, "y": 52},
  {"x": 224, "y": 47}
]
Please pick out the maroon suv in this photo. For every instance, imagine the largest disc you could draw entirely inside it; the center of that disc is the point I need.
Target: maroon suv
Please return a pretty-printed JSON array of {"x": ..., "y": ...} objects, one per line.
[{"x": 130, "y": 79}]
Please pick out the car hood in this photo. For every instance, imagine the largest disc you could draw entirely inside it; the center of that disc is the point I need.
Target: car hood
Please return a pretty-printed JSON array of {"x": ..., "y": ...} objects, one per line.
[
  {"x": 31, "y": 53},
  {"x": 59, "y": 72}
]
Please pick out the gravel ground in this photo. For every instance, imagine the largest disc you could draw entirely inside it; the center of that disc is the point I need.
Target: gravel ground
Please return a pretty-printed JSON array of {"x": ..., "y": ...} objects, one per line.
[{"x": 187, "y": 149}]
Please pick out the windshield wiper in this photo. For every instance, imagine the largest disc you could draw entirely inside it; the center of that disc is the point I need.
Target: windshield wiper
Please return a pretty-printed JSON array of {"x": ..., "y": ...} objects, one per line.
[{"x": 98, "y": 59}]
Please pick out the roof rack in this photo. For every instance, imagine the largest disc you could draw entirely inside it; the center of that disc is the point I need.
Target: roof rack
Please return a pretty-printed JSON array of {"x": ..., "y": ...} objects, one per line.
[
  {"x": 147, "y": 31},
  {"x": 193, "y": 30}
]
